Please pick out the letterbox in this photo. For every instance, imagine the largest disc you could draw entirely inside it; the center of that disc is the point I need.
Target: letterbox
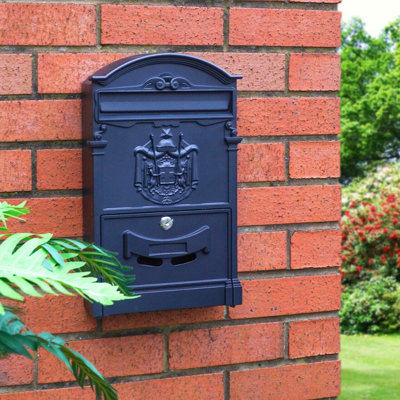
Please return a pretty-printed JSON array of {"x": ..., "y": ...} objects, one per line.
[{"x": 160, "y": 179}]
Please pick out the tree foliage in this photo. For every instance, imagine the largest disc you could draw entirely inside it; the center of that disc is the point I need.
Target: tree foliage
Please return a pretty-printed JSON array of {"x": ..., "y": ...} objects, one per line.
[{"x": 370, "y": 97}]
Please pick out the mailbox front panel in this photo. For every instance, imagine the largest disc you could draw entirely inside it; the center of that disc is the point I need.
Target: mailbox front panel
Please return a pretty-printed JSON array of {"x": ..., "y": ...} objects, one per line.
[
  {"x": 160, "y": 179},
  {"x": 166, "y": 165}
]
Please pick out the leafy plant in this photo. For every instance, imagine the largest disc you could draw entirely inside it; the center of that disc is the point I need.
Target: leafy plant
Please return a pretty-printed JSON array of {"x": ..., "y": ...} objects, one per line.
[
  {"x": 98, "y": 261},
  {"x": 15, "y": 338},
  {"x": 32, "y": 264},
  {"x": 371, "y": 306},
  {"x": 11, "y": 211}
]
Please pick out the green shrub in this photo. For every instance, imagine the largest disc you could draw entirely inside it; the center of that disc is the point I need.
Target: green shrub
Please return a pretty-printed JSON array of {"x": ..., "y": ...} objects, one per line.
[{"x": 371, "y": 306}]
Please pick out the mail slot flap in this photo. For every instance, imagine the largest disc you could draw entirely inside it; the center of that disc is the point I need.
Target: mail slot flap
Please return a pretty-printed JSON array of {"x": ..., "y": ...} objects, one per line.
[
  {"x": 194, "y": 101},
  {"x": 195, "y": 247},
  {"x": 136, "y": 244},
  {"x": 128, "y": 106}
]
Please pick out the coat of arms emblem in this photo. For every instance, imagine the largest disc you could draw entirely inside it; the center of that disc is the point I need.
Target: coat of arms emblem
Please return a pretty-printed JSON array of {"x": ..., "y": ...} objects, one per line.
[{"x": 166, "y": 172}]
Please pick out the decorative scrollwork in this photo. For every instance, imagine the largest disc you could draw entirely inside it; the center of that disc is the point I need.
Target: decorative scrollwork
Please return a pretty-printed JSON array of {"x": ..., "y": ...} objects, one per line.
[
  {"x": 98, "y": 135},
  {"x": 229, "y": 125},
  {"x": 166, "y": 81}
]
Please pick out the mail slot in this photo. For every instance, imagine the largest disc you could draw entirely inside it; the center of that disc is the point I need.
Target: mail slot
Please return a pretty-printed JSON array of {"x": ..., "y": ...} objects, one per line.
[{"x": 159, "y": 171}]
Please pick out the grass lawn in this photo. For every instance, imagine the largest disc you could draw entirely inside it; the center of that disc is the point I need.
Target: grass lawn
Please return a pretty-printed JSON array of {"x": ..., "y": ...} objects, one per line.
[{"x": 370, "y": 367}]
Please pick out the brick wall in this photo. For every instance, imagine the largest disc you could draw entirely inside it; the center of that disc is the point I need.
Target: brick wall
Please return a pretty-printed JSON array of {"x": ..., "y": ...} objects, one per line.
[{"x": 282, "y": 343}]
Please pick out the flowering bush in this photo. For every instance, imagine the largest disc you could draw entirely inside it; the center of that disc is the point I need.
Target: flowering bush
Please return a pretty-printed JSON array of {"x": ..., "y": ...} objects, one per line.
[
  {"x": 371, "y": 253},
  {"x": 371, "y": 239},
  {"x": 371, "y": 226},
  {"x": 385, "y": 178}
]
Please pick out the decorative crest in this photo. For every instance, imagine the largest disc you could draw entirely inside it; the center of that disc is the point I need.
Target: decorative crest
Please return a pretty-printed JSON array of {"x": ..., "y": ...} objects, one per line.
[{"x": 166, "y": 172}]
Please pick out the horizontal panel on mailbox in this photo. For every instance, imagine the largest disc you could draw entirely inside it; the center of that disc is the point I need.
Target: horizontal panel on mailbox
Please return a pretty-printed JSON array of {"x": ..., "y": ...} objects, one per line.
[{"x": 135, "y": 105}]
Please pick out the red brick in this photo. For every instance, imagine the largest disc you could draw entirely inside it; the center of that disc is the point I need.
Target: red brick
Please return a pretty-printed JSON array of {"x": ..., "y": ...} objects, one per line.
[
  {"x": 227, "y": 345},
  {"x": 47, "y": 24},
  {"x": 15, "y": 370},
  {"x": 288, "y": 296},
  {"x": 314, "y": 160},
  {"x": 75, "y": 393},
  {"x": 15, "y": 170},
  {"x": 288, "y": 116},
  {"x": 288, "y": 205},
  {"x": 260, "y": 71},
  {"x": 56, "y": 314},
  {"x": 157, "y": 25},
  {"x": 261, "y": 251},
  {"x": 59, "y": 169},
  {"x": 317, "y": 249},
  {"x": 294, "y": 382},
  {"x": 129, "y": 355},
  {"x": 269, "y": 27},
  {"x": 64, "y": 72},
  {"x": 31, "y": 120},
  {"x": 199, "y": 387},
  {"x": 314, "y": 338},
  {"x": 316, "y": 72},
  {"x": 261, "y": 162},
  {"x": 159, "y": 318},
  {"x": 15, "y": 74},
  {"x": 61, "y": 216}
]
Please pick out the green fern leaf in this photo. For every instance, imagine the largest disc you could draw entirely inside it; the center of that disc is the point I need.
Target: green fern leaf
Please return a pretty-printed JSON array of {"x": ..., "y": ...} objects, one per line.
[
  {"x": 97, "y": 261},
  {"x": 21, "y": 268},
  {"x": 15, "y": 338},
  {"x": 11, "y": 211}
]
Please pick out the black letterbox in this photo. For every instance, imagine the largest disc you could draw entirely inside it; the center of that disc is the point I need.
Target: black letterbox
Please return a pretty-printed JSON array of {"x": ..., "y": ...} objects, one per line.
[{"x": 160, "y": 179}]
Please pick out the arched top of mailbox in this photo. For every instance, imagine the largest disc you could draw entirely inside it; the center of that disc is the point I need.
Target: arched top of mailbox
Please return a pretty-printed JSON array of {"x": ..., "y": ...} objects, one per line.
[{"x": 114, "y": 70}]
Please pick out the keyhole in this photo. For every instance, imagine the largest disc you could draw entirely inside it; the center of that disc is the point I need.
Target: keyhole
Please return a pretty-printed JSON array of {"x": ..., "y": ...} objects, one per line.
[{"x": 166, "y": 223}]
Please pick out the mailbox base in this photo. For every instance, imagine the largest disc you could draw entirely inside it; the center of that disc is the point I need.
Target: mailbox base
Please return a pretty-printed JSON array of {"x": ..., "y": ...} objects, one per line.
[{"x": 205, "y": 295}]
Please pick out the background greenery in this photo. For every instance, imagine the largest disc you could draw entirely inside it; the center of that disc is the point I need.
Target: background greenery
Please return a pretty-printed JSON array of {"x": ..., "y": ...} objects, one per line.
[
  {"x": 370, "y": 151},
  {"x": 370, "y": 144},
  {"x": 370, "y": 95}
]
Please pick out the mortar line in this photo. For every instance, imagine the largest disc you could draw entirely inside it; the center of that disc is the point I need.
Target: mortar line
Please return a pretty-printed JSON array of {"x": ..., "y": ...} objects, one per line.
[
  {"x": 253, "y": 365},
  {"x": 226, "y": 383},
  {"x": 286, "y": 340}
]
